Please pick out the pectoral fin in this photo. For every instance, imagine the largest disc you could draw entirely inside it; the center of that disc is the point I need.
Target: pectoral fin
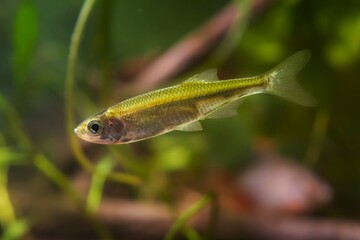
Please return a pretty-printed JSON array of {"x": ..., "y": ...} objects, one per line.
[
  {"x": 193, "y": 126},
  {"x": 227, "y": 110}
]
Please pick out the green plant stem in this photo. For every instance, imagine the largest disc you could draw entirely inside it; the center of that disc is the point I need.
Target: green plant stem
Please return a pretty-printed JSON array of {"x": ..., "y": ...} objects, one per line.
[
  {"x": 97, "y": 185},
  {"x": 184, "y": 217},
  {"x": 15, "y": 124},
  {"x": 70, "y": 82},
  {"x": 51, "y": 171},
  {"x": 39, "y": 160},
  {"x": 191, "y": 233},
  {"x": 7, "y": 213},
  {"x": 317, "y": 138},
  {"x": 46, "y": 166},
  {"x": 69, "y": 99}
]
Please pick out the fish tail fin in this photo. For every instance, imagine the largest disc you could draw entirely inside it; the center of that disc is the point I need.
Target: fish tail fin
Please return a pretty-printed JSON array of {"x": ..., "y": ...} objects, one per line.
[{"x": 282, "y": 79}]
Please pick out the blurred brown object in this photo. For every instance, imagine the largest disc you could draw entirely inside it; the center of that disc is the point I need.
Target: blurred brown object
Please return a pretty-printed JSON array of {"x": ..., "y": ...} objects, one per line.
[
  {"x": 277, "y": 184},
  {"x": 146, "y": 73},
  {"x": 273, "y": 185},
  {"x": 134, "y": 219}
]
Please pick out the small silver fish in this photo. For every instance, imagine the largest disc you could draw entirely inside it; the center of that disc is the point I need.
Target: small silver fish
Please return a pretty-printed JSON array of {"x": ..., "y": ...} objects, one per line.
[{"x": 182, "y": 106}]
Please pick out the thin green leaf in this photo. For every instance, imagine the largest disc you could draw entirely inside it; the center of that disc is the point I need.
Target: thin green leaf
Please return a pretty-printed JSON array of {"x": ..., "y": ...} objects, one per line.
[
  {"x": 9, "y": 156},
  {"x": 25, "y": 32},
  {"x": 16, "y": 230},
  {"x": 184, "y": 217},
  {"x": 7, "y": 213},
  {"x": 97, "y": 184}
]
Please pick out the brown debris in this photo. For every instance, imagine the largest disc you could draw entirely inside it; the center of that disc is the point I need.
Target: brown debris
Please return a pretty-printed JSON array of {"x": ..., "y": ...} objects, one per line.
[{"x": 193, "y": 47}]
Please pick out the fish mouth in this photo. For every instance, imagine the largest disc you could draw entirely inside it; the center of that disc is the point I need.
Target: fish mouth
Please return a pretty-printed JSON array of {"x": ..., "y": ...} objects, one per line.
[{"x": 78, "y": 132}]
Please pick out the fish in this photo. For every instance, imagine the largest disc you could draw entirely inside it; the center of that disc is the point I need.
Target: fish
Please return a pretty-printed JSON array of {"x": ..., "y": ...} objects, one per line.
[{"x": 183, "y": 106}]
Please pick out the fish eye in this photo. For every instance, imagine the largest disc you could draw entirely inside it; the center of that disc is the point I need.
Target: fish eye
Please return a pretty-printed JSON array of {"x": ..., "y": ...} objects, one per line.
[{"x": 95, "y": 127}]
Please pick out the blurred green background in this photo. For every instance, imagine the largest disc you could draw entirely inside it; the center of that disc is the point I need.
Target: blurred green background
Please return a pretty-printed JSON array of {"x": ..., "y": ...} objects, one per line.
[{"x": 121, "y": 36}]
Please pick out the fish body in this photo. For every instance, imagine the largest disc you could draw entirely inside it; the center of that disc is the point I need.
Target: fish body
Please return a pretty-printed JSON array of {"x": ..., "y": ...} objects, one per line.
[{"x": 180, "y": 107}]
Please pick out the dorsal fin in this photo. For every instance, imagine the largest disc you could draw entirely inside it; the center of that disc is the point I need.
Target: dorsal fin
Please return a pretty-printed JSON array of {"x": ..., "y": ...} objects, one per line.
[{"x": 206, "y": 76}]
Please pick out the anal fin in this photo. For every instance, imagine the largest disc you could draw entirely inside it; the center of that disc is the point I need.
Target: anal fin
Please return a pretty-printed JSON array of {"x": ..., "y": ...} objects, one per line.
[
  {"x": 226, "y": 110},
  {"x": 189, "y": 127}
]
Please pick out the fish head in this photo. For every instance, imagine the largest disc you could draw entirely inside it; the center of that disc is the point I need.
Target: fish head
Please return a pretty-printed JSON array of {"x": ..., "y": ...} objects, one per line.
[{"x": 102, "y": 128}]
